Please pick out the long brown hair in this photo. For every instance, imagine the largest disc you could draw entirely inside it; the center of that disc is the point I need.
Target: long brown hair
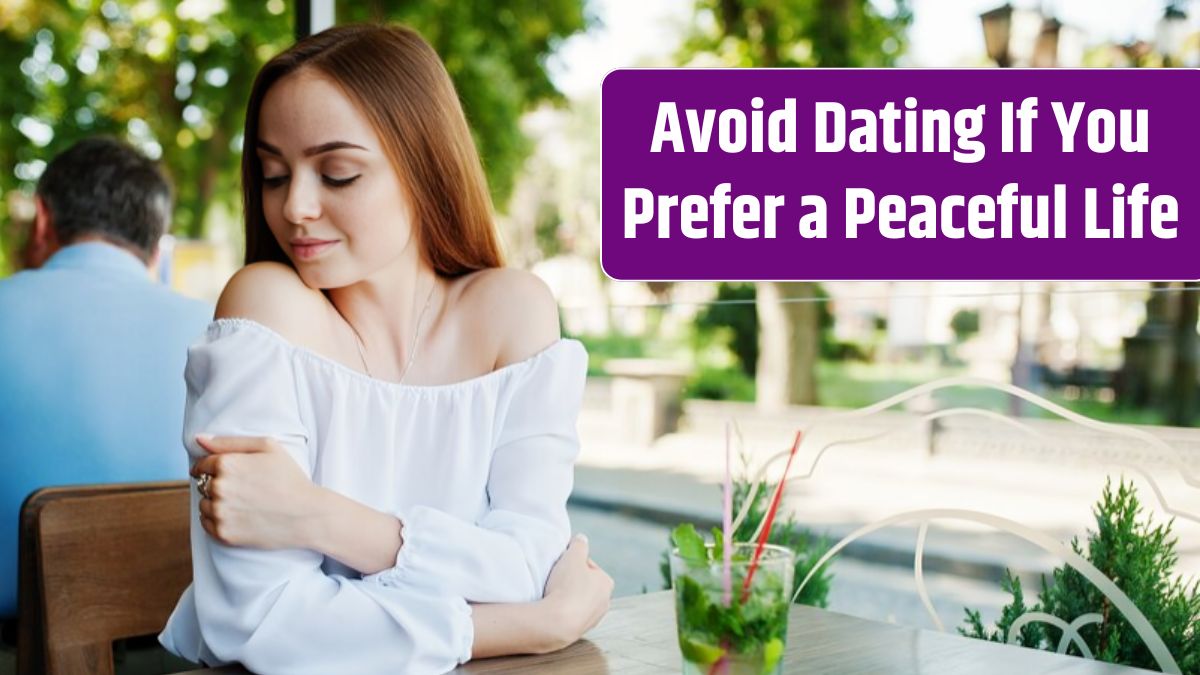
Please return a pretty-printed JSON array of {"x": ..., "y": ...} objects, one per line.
[{"x": 400, "y": 84}]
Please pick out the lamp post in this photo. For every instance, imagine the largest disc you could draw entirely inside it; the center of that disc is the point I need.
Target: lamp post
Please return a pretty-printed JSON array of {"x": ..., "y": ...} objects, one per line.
[
  {"x": 1160, "y": 359},
  {"x": 1021, "y": 37}
]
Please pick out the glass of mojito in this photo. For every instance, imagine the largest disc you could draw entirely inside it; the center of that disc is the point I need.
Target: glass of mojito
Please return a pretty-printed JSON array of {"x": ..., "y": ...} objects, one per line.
[{"x": 739, "y": 631}]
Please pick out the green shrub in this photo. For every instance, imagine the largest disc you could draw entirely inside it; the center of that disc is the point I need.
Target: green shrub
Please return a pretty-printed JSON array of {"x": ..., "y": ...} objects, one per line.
[
  {"x": 788, "y": 533},
  {"x": 837, "y": 350},
  {"x": 601, "y": 348},
  {"x": 739, "y": 317},
  {"x": 1139, "y": 558},
  {"x": 720, "y": 384},
  {"x": 964, "y": 323}
]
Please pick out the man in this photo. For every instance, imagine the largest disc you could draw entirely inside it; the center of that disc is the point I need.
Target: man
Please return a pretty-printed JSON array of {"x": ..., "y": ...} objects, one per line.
[{"x": 92, "y": 351}]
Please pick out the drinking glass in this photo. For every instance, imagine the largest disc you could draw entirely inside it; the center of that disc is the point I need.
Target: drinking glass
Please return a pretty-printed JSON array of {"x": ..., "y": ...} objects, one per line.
[{"x": 742, "y": 631}]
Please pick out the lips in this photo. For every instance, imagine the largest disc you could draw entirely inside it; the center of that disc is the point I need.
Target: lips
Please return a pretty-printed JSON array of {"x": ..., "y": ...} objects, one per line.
[{"x": 307, "y": 248}]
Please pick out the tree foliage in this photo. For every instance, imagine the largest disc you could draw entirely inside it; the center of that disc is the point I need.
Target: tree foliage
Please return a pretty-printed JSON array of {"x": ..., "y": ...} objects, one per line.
[
  {"x": 496, "y": 55},
  {"x": 1140, "y": 558},
  {"x": 173, "y": 78},
  {"x": 798, "y": 33},
  {"x": 964, "y": 323},
  {"x": 792, "y": 33},
  {"x": 734, "y": 311}
]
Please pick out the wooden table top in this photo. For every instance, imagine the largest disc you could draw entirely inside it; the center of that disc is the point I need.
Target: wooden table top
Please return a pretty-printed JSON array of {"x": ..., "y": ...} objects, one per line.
[{"x": 637, "y": 637}]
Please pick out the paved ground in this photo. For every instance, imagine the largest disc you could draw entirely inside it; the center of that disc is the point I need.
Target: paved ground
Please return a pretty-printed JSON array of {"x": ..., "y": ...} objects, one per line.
[{"x": 627, "y": 496}]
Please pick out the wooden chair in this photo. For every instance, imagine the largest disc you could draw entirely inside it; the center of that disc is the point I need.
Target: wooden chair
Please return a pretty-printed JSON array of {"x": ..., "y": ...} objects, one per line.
[{"x": 98, "y": 563}]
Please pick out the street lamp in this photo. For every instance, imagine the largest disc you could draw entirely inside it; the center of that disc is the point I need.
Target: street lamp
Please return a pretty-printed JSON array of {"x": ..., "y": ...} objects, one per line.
[
  {"x": 1045, "y": 47},
  {"x": 1011, "y": 35},
  {"x": 1171, "y": 33},
  {"x": 997, "y": 26},
  {"x": 1025, "y": 37},
  {"x": 1028, "y": 38}
]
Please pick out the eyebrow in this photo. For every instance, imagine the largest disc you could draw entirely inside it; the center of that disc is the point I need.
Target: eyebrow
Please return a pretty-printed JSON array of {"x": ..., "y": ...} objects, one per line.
[{"x": 314, "y": 150}]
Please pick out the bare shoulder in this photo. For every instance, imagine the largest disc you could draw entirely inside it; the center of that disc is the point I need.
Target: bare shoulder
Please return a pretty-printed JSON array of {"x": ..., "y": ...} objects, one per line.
[
  {"x": 273, "y": 295},
  {"x": 517, "y": 307}
]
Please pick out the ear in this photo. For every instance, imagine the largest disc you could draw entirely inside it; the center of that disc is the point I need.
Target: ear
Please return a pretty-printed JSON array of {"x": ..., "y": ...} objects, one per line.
[
  {"x": 154, "y": 258},
  {"x": 43, "y": 222},
  {"x": 43, "y": 238}
]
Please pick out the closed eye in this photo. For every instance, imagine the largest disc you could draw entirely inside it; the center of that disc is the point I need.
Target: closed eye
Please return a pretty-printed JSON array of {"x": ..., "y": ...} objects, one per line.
[
  {"x": 276, "y": 181},
  {"x": 339, "y": 182}
]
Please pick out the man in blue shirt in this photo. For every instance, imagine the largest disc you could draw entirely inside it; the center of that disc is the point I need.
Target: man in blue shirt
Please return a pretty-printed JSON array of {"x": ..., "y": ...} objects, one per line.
[{"x": 92, "y": 351}]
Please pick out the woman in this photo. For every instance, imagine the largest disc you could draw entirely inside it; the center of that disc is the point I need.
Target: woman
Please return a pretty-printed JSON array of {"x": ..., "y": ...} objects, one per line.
[{"x": 381, "y": 417}]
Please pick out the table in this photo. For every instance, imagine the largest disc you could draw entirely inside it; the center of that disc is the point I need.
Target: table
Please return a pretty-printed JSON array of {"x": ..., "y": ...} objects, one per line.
[{"x": 637, "y": 637}]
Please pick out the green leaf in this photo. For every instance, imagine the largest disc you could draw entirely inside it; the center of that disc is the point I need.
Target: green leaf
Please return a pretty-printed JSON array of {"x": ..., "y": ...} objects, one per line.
[
  {"x": 718, "y": 551},
  {"x": 690, "y": 544}
]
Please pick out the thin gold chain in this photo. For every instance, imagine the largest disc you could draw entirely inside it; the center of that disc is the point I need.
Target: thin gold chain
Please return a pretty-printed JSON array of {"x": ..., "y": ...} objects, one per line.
[{"x": 412, "y": 351}]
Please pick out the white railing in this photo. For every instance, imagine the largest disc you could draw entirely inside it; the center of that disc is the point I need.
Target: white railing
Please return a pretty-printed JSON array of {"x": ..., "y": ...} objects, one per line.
[{"x": 1163, "y": 453}]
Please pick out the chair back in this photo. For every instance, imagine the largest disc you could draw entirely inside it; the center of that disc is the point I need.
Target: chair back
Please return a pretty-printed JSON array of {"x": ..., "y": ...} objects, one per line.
[{"x": 98, "y": 563}]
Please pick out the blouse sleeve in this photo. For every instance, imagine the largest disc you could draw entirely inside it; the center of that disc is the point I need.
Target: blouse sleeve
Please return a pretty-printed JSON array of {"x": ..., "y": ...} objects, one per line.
[
  {"x": 276, "y": 610},
  {"x": 507, "y": 554}
]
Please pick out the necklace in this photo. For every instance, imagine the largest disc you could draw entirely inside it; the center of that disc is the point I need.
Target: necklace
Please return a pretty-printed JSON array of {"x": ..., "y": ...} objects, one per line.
[{"x": 412, "y": 350}]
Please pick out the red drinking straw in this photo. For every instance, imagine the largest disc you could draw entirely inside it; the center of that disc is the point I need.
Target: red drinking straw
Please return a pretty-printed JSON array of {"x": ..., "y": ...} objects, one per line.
[{"x": 766, "y": 531}]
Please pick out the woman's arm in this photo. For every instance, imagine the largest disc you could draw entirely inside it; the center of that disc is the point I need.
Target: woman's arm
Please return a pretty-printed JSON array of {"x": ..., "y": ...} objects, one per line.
[
  {"x": 279, "y": 611},
  {"x": 288, "y": 511},
  {"x": 577, "y": 595},
  {"x": 261, "y": 498},
  {"x": 506, "y": 554}
]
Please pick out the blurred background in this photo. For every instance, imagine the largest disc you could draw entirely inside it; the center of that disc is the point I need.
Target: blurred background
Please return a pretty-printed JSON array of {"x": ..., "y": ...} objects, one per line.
[
  {"x": 670, "y": 362},
  {"x": 172, "y": 78}
]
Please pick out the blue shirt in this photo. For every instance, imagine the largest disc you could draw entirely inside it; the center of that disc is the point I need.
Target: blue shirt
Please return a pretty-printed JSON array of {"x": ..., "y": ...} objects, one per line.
[{"x": 91, "y": 381}]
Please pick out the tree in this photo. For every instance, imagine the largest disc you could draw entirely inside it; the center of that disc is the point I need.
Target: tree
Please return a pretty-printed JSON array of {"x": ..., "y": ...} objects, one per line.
[
  {"x": 496, "y": 56},
  {"x": 173, "y": 79},
  {"x": 1184, "y": 405},
  {"x": 1160, "y": 369},
  {"x": 793, "y": 33},
  {"x": 170, "y": 78}
]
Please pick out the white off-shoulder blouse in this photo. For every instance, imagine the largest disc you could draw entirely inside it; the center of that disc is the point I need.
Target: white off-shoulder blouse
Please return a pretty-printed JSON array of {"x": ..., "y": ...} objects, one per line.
[{"x": 479, "y": 472}]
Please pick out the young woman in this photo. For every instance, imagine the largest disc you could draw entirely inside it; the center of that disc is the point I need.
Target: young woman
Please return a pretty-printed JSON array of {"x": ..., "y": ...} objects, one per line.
[{"x": 381, "y": 417}]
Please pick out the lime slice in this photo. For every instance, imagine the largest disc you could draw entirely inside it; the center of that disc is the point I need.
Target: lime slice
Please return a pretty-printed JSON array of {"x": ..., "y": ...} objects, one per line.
[
  {"x": 698, "y": 652},
  {"x": 772, "y": 652}
]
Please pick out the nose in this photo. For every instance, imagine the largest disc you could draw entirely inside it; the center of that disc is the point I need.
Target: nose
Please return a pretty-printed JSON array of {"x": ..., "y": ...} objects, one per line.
[{"x": 302, "y": 204}]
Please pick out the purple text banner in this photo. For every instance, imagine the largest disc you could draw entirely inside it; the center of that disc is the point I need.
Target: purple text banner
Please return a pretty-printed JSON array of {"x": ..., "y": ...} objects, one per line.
[{"x": 901, "y": 174}]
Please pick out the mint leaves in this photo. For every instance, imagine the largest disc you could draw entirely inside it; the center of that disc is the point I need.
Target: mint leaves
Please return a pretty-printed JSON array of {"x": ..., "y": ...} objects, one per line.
[
  {"x": 750, "y": 631},
  {"x": 690, "y": 544}
]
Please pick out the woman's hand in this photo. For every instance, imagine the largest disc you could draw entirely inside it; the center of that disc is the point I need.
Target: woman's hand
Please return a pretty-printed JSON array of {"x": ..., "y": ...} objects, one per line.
[
  {"x": 576, "y": 598},
  {"x": 577, "y": 592},
  {"x": 257, "y": 495}
]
